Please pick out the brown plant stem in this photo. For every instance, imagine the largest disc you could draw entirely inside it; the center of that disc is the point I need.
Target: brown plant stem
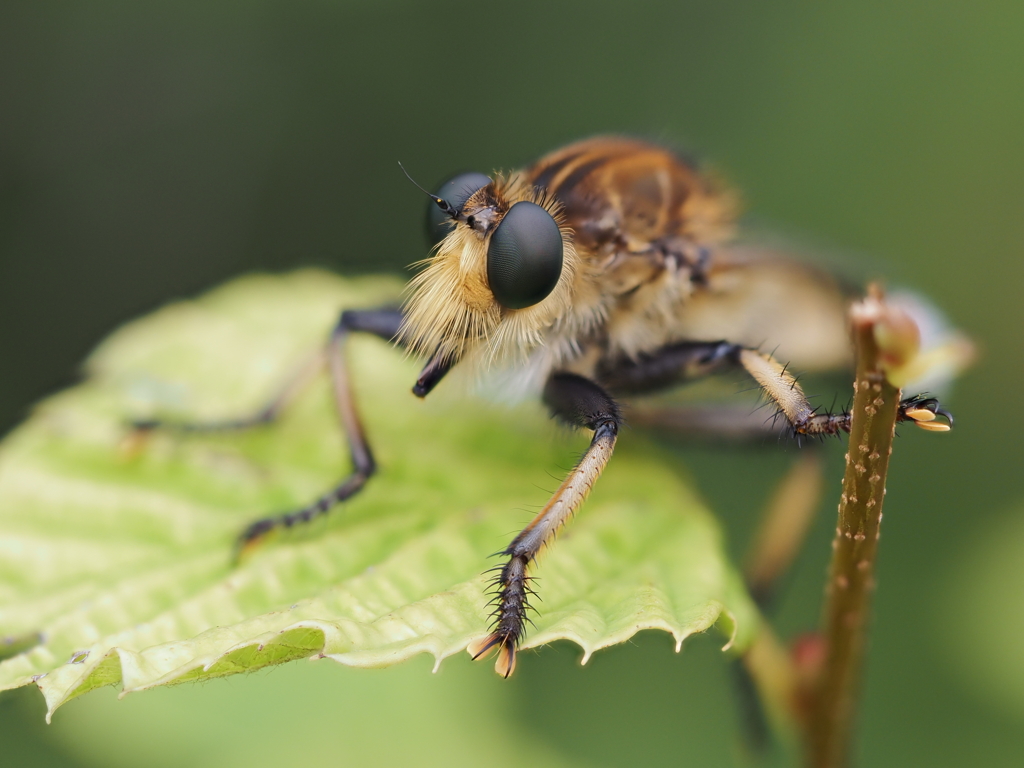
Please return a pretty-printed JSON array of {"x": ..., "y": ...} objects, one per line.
[{"x": 851, "y": 574}]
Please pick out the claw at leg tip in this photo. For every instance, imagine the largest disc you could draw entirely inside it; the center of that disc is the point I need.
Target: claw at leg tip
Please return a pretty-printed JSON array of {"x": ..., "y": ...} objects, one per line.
[
  {"x": 920, "y": 414},
  {"x": 926, "y": 413},
  {"x": 505, "y": 664},
  {"x": 244, "y": 547},
  {"x": 481, "y": 648},
  {"x": 933, "y": 426}
]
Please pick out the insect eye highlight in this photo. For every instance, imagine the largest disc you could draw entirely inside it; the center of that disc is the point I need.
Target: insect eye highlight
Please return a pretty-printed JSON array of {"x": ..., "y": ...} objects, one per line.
[
  {"x": 457, "y": 190},
  {"x": 524, "y": 257}
]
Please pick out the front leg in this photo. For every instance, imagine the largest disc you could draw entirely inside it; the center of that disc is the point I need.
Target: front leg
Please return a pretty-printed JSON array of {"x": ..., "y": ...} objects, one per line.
[
  {"x": 781, "y": 388},
  {"x": 581, "y": 403},
  {"x": 690, "y": 360}
]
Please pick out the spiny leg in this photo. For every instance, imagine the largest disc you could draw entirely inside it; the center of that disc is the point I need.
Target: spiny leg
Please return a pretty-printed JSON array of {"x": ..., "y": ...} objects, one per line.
[
  {"x": 581, "y": 403},
  {"x": 685, "y": 361},
  {"x": 678, "y": 364},
  {"x": 383, "y": 323},
  {"x": 781, "y": 387}
]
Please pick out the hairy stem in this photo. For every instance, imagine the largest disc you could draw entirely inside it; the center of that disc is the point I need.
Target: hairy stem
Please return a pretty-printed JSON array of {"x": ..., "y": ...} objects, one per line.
[{"x": 851, "y": 574}]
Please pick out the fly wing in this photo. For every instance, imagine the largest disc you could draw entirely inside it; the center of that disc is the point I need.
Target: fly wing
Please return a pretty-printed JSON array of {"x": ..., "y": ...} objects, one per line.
[{"x": 761, "y": 297}]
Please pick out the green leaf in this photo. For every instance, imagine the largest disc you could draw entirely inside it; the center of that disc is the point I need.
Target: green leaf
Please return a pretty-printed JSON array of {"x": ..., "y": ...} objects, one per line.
[{"x": 119, "y": 560}]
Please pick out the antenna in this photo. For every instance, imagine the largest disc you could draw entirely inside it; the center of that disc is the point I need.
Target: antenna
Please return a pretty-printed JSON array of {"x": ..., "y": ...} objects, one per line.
[{"x": 441, "y": 203}]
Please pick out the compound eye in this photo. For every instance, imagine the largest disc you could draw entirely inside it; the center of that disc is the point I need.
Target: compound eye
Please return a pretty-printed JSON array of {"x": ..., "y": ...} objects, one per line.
[
  {"x": 457, "y": 190},
  {"x": 524, "y": 257}
]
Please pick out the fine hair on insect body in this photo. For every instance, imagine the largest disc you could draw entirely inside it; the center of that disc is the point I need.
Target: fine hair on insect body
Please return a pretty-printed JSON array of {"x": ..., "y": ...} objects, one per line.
[{"x": 609, "y": 269}]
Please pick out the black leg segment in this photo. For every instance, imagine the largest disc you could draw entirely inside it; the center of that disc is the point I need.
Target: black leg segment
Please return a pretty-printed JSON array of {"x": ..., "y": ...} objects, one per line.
[
  {"x": 685, "y": 361},
  {"x": 669, "y": 366},
  {"x": 380, "y": 322},
  {"x": 384, "y": 323}
]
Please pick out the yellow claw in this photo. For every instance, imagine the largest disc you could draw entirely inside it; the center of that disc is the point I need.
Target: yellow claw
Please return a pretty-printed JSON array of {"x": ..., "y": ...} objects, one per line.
[
  {"x": 505, "y": 664},
  {"x": 932, "y": 426},
  {"x": 920, "y": 414},
  {"x": 245, "y": 547},
  {"x": 482, "y": 648}
]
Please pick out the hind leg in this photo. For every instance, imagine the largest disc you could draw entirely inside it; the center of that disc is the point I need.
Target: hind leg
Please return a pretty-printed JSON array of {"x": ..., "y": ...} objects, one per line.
[
  {"x": 690, "y": 360},
  {"x": 383, "y": 323}
]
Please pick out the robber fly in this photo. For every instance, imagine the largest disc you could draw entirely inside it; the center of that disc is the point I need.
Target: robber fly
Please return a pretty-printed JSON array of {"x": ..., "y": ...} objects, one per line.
[{"x": 606, "y": 269}]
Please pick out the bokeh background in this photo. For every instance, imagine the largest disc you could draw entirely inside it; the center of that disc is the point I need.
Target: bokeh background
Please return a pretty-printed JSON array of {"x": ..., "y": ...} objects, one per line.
[{"x": 151, "y": 150}]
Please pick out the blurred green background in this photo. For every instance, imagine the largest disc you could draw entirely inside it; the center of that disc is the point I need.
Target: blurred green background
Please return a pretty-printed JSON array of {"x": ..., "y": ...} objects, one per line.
[{"x": 150, "y": 150}]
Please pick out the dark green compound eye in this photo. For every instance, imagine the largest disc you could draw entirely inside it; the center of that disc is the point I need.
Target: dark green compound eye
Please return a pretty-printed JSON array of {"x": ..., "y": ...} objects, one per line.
[
  {"x": 456, "y": 191},
  {"x": 524, "y": 258}
]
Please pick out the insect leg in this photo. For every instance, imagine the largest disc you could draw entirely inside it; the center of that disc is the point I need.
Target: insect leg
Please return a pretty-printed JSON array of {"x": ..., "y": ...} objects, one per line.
[
  {"x": 677, "y": 363},
  {"x": 781, "y": 387},
  {"x": 668, "y": 366},
  {"x": 581, "y": 403},
  {"x": 383, "y": 323}
]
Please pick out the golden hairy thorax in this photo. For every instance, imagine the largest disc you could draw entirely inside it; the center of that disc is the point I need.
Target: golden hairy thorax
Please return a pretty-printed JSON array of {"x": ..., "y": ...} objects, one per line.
[
  {"x": 623, "y": 195},
  {"x": 647, "y": 262}
]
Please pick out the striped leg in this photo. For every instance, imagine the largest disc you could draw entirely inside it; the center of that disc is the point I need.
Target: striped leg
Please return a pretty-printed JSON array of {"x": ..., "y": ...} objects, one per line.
[
  {"x": 690, "y": 360},
  {"x": 383, "y": 323},
  {"x": 581, "y": 403},
  {"x": 379, "y": 322},
  {"x": 782, "y": 388}
]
